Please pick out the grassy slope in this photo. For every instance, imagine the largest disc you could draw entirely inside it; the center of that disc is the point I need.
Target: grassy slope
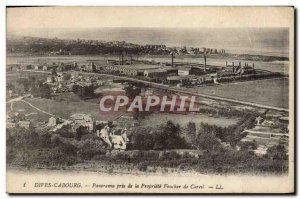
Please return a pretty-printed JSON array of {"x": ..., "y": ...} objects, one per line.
[{"x": 273, "y": 92}]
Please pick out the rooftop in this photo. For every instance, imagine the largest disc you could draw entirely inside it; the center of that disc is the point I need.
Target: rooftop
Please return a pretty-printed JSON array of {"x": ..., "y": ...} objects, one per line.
[{"x": 140, "y": 66}]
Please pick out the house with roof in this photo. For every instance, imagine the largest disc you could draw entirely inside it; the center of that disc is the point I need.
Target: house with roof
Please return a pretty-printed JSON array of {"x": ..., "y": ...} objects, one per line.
[
  {"x": 155, "y": 73},
  {"x": 38, "y": 67},
  {"x": 83, "y": 120},
  {"x": 183, "y": 71},
  {"x": 24, "y": 124},
  {"x": 47, "y": 67}
]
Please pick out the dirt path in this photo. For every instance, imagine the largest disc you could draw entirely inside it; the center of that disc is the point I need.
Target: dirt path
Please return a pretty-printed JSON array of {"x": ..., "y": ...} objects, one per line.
[{"x": 37, "y": 108}]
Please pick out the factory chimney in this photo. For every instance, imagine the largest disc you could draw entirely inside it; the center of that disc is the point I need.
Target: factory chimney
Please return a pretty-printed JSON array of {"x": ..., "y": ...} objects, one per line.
[
  {"x": 122, "y": 59},
  {"x": 240, "y": 66},
  {"x": 226, "y": 63},
  {"x": 172, "y": 61},
  {"x": 205, "y": 63},
  {"x": 232, "y": 66},
  {"x": 253, "y": 67}
]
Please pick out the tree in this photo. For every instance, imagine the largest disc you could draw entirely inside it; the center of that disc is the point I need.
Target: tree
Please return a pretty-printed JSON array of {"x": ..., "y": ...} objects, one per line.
[
  {"x": 45, "y": 91},
  {"x": 167, "y": 136},
  {"x": 132, "y": 91},
  {"x": 25, "y": 83},
  {"x": 53, "y": 71},
  {"x": 83, "y": 91},
  {"x": 67, "y": 76},
  {"x": 89, "y": 148},
  {"x": 32, "y": 80},
  {"x": 191, "y": 132},
  {"x": 277, "y": 152},
  {"x": 80, "y": 131},
  {"x": 142, "y": 139},
  {"x": 10, "y": 86},
  {"x": 206, "y": 139},
  {"x": 248, "y": 145}
]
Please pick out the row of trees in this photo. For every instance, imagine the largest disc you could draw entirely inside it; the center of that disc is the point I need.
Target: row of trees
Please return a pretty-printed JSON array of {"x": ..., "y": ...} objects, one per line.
[
  {"x": 166, "y": 136},
  {"x": 84, "y": 92},
  {"x": 31, "y": 148},
  {"x": 35, "y": 86}
]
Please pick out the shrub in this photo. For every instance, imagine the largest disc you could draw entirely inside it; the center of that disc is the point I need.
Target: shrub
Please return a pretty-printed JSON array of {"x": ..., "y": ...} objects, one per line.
[{"x": 89, "y": 148}]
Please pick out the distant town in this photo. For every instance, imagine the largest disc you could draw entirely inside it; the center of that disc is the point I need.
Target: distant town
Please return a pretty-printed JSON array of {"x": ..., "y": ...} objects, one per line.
[{"x": 55, "y": 46}]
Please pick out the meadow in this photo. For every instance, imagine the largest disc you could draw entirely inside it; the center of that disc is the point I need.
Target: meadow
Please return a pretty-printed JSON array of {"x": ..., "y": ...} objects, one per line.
[{"x": 272, "y": 92}]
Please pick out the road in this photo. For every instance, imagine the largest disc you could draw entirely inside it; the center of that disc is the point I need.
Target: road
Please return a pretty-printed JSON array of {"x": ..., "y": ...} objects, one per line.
[
  {"x": 181, "y": 90},
  {"x": 47, "y": 113},
  {"x": 21, "y": 98},
  {"x": 11, "y": 101}
]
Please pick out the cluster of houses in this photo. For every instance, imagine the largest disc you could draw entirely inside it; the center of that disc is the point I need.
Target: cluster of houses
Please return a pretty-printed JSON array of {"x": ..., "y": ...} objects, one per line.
[
  {"x": 114, "y": 137},
  {"x": 63, "y": 82},
  {"x": 16, "y": 119},
  {"x": 268, "y": 131}
]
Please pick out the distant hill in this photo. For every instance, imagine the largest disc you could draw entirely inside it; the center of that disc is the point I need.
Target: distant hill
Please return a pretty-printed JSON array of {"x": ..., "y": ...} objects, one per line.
[{"x": 263, "y": 41}]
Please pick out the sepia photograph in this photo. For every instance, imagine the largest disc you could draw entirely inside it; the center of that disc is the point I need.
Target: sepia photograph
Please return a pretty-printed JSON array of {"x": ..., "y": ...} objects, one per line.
[{"x": 150, "y": 100}]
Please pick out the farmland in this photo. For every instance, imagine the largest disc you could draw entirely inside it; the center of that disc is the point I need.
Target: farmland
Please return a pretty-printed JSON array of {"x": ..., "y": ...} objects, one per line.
[
  {"x": 273, "y": 92},
  {"x": 65, "y": 109},
  {"x": 160, "y": 118}
]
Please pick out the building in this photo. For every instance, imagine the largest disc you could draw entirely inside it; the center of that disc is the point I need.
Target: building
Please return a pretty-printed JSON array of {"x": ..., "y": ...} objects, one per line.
[
  {"x": 259, "y": 120},
  {"x": 196, "y": 71},
  {"x": 119, "y": 139},
  {"x": 83, "y": 120},
  {"x": 116, "y": 138},
  {"x": 47, "y": 67},
  {"x": 171, "y": 71},
  {"x": 185, "y": 79},
  {"x": 130, "y": 70},
  {"x": 52, "y": 121},
  {"x": 184, "y": 71},
  {"x": 38, "y": 67},
  {"x": 26, "y": 67},
  {"x": 24, "y": 124},
  {"x": 50, "y": 79},
  {"x": 10, "y": 123},
  {"x": 91, "y": 67},
  {"x": 13, "y": 67},
  {"x": 155, "y": 73}
]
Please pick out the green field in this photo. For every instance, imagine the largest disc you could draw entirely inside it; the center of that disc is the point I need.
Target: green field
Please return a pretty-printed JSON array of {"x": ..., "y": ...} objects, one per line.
[
  {"x": 272, "y": 92},
  {"x": 183, "y": 120},
  {"x": 65, "y": 109}
]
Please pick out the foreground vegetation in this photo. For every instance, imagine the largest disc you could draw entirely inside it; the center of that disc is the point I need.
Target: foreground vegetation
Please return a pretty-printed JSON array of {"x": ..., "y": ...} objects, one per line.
[{"x": 158, "y": 147}]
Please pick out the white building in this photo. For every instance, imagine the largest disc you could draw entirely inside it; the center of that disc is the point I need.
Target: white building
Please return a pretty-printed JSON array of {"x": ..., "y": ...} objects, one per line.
[{"x": 183, "y": 71}]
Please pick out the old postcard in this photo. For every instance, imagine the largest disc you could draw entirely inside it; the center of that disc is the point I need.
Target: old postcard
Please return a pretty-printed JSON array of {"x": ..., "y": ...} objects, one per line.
[{"x": 150, "y": 100}]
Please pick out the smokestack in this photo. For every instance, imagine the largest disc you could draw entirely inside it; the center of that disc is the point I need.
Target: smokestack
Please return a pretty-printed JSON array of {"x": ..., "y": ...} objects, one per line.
[
  {"x": 240, "y": 65},
  {"x": 253, "y": 67},
  {"x": 204, "y": 63},
  {"x": 122, "y": 59},
  {"x": 226, "y": 63},
  {"x": 172, "y": 60},
  {"x": 232, "y": 66}
]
